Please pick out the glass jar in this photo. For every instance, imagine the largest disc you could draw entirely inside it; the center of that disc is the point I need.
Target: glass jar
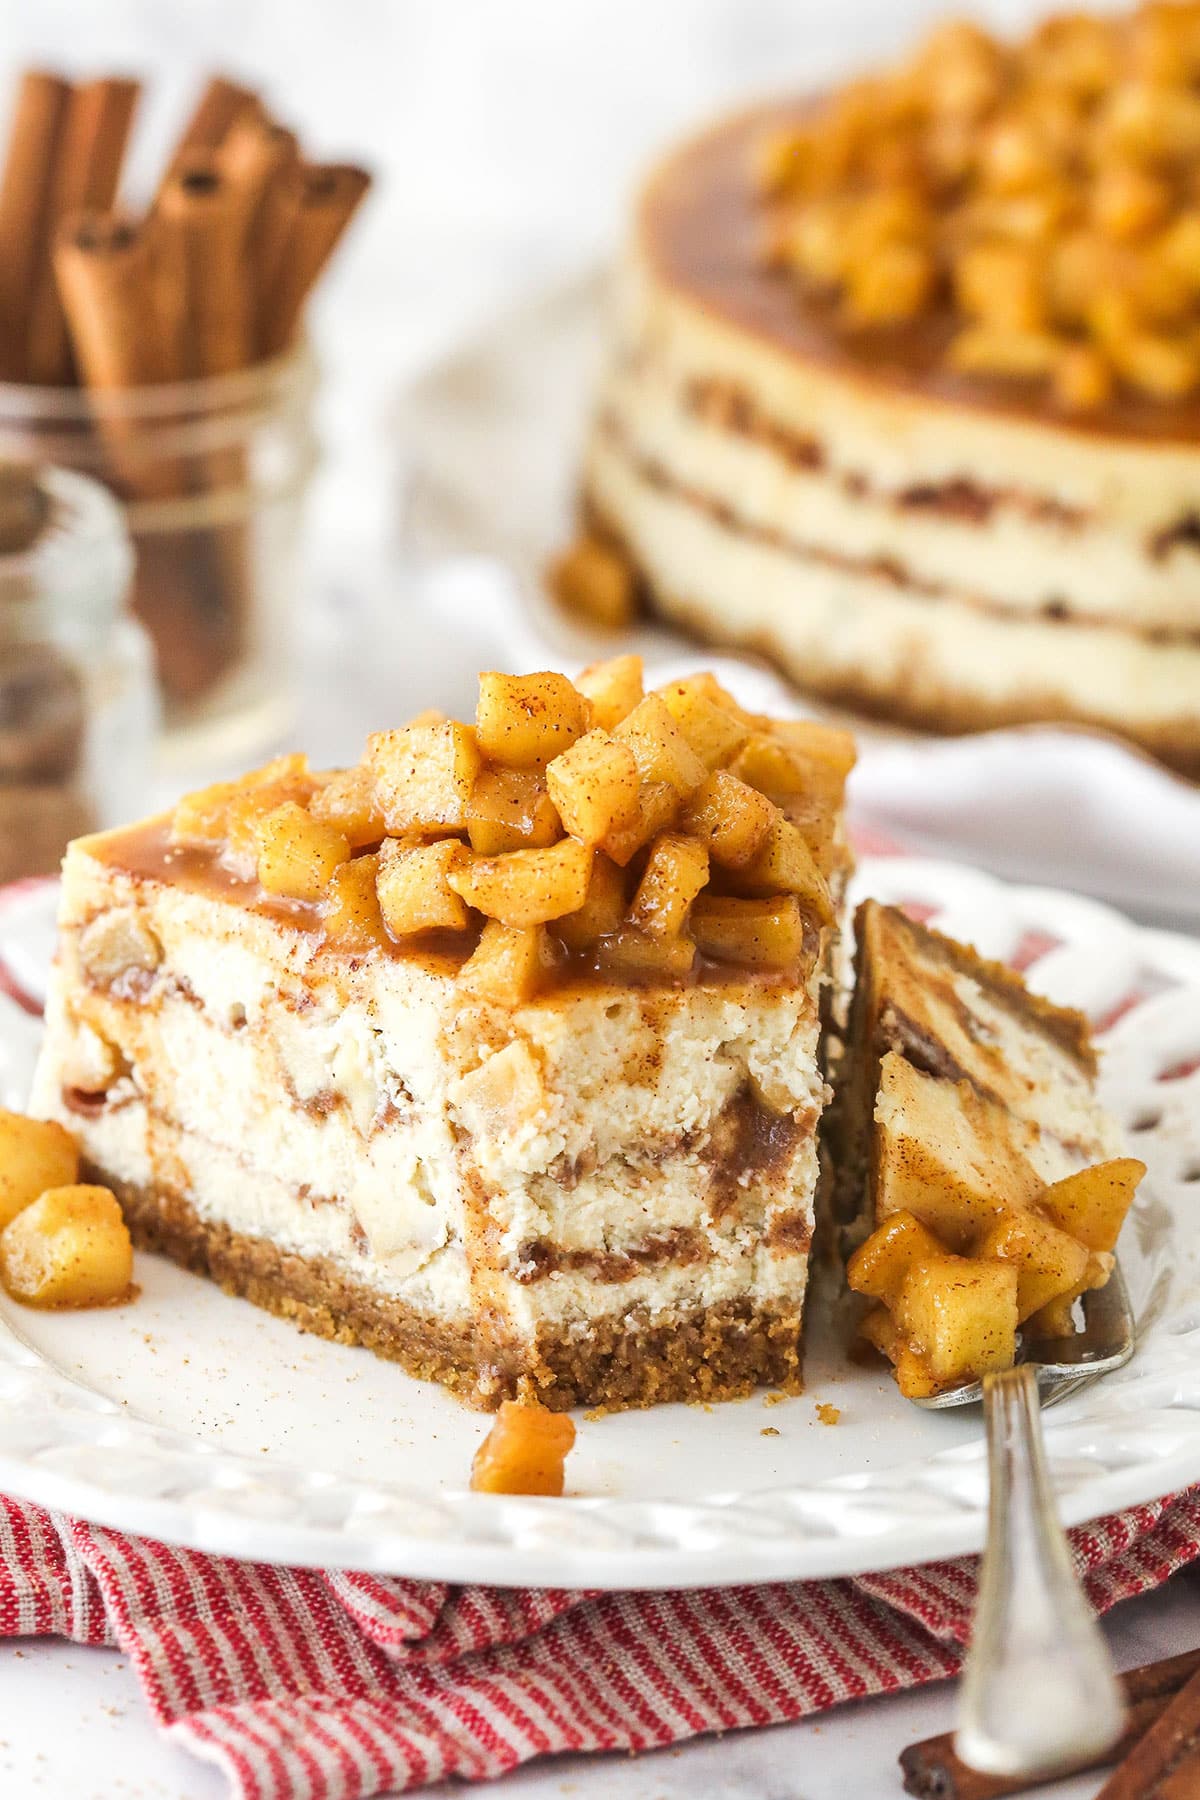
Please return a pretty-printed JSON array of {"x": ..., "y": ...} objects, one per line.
[
  {"x": 78, "y": 707},
  {"x": 212, "y": 477}
]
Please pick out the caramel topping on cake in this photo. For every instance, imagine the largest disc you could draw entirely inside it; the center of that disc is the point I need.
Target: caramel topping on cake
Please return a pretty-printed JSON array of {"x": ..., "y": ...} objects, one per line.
[
  {"x": 573, "y": 827},
  {"x": 1043, "y": 196}
]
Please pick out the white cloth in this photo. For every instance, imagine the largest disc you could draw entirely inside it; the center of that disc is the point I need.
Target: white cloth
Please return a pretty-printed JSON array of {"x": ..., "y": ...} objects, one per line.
[{"x": 1059, "y": 808}]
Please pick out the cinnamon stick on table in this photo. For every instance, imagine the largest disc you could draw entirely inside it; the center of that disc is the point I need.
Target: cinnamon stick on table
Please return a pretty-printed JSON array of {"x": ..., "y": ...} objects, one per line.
[
  {"x": 1165, "y": 1764},
  {"x": 86, "y": 171},
  {"x": 38, "y": 119},
  {"x": 932, "y": 1771}
]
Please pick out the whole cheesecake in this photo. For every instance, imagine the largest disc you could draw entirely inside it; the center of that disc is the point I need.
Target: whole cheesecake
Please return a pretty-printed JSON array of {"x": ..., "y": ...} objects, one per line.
[{"x": 888, "y": 446}]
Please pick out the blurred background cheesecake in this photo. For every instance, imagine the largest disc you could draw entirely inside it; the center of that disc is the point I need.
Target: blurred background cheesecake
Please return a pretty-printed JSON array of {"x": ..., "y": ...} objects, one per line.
[{"x": 904, "y": 391}]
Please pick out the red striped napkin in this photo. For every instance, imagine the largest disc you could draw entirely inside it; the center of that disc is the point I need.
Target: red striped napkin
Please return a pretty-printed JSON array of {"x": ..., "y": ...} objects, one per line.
[{"x": 310, "y": 1685}]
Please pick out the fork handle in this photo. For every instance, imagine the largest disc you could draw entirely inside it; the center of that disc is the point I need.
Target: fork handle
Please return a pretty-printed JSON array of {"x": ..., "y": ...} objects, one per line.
[{"x": 1039, "y": 1694}]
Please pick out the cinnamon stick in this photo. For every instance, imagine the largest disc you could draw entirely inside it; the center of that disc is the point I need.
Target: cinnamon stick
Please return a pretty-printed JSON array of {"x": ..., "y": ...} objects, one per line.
[
  {"x": 327, "y": 197},
  {"x": 108, "y": 274},
  {"x": 221, "y": 103},
  {"x": 105, "y": 268},
  {"x": 1165, "y": 1763},
  {"x": 39, "y": 116},
  {"x": 254, "y": 155},
  {"x": 86, "y": 170},
  {"x": 932, "y": 1771},
  {"x": 198, "y": 228}
]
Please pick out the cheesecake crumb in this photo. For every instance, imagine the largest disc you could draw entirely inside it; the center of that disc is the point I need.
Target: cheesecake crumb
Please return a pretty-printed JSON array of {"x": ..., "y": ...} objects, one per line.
[
  {"x": 769, "y": 1431},
  {"x": 828, "y": 1415}
]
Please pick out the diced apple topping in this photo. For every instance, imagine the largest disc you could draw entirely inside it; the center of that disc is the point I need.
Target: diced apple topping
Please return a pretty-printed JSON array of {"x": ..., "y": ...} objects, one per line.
[
  {"x": 424, "y": 775},
  {"x": 595, "y": 786},
  {"x": 351, "y": 913},
  {"x": 596, "y": 582},
  {"x": 35, "y": 1154},
  {"x": 526, "y": 887},
  {"x": 347, "y": 801},
  {"x": 612, "y": 689},
  {"x": 297, "y": 854},
  {"x": 713, "y": 733},
  {"x": 730, "y": 819},
  {"x": 660, "y": 749},
  {"x": 603, "y": 909},
  {"x": 511, "y": 809},
  {"x": 68, "y": 1248},
  {"x": 413, "y": 885},
  {"x": 951, "y": 1298},
  {"x": 525, "y": 1451},
  {"x": 511, "y": 963},
  {"x": 525, "y": 721},
  {"x": 676, "y": 871},
  {"x": 762, "y": 933},
  {"x": 588, "y": 819}
]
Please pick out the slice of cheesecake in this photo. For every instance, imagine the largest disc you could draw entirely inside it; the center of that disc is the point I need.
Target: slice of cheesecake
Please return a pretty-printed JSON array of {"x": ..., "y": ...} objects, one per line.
[
  {"x": 397, "y": 1054},
  {"x": 981, "y": 1184}
]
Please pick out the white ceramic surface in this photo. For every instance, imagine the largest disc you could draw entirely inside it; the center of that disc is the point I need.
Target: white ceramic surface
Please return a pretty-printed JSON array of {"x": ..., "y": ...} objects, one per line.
[{"x": 193, "y": 1417}]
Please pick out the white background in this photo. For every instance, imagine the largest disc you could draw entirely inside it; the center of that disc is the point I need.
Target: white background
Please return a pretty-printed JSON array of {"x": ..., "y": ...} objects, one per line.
[{"x": 506, "y": 135}]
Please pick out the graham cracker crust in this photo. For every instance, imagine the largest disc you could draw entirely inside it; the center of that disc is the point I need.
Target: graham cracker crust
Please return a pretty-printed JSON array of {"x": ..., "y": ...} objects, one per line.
[{"x": 716, "y": 1353}]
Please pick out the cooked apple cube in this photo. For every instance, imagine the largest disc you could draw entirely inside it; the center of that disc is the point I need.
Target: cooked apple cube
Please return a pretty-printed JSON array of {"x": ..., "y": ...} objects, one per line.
[
  {"x": 603, "y": 911},
  {"x": 730, "y": 819},
  {"x": 350, "y": 910},
  {"x": 510, "y": 809},
  {"x": 595, "y": 581},
  {"x": 913, "y": 1376},
  {"x": 765, "y": 762},
  {"x": 524, "y": 1452},
  {"x": 961, "y": 1315},
  {"x": 525, "y": 721},
  {"x": 713, "y": 732},
  {"x": 347, "y": 802},
  {"x": 297, "y": 854},
  {"x": 881, "y": 1265},
  {"x": 1091, "y": 1204},
  {"x": 784, "y": 864},
  {"x": 636, "y": 956},
  {"x": 595, "y": 787},
  {"x": 1048, "y": 1262},
  {"x": 424, "y": 775},
  {"x": 613, "y": 689},
  {"x": 657, "y": 807},
  {"x": 202, "y": 817},
  {"x": 673, "y": 876},
  {"x": 660, "y": 749},
  {"x": 758, "y": 933},
  {"x": 414, "y": 890},
  {"x": 35, "y": 1154},
  {"x": 510, "y": 963},
  {"x": 69, "y": 1248},
  {"x": 825, "y": 746},
  {"x": 525, "y": 887}
]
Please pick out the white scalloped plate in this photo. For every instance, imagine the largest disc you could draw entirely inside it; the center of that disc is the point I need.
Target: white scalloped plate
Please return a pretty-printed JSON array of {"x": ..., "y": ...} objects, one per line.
[{"x": 192, "y": 1417}]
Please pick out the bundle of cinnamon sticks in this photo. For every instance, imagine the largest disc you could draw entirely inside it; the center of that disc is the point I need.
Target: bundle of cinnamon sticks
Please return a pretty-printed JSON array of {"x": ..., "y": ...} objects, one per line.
[{"x": 209, "y": 278}]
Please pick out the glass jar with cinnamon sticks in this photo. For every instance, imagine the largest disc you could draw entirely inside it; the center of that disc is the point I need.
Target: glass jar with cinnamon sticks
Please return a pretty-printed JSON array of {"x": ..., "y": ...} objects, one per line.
[
  {"x": 161, "y": 349},
  {"x": 78, "y": 711},
  {"x": 211, "y": 475}
]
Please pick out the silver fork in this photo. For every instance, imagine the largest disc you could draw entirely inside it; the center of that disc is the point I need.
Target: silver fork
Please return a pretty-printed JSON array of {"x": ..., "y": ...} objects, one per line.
[{"x": 1039, "y": 1695}]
